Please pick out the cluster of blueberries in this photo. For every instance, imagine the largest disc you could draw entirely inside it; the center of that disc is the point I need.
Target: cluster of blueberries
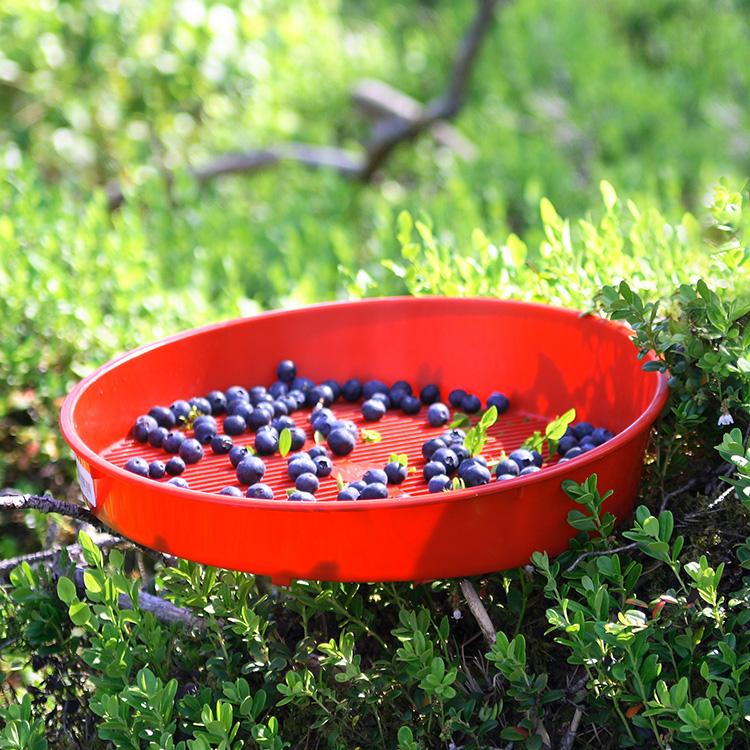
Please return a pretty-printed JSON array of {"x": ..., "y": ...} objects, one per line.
[{"x": 267, "y": 413}]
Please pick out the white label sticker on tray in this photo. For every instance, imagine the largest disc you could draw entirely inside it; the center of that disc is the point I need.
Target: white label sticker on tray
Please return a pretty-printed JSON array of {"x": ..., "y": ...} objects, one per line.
[{"x": 87, "y": 483}]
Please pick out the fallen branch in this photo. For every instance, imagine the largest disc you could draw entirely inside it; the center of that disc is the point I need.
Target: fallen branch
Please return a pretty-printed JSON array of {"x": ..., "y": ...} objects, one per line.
[
  {"x": 164, "y": 611},
  {"x": 569, "y": 737},
  {"x": 11, "y": 500},
  {"x": 405, "y": 120},
  {"x": 480, "y": 613}
]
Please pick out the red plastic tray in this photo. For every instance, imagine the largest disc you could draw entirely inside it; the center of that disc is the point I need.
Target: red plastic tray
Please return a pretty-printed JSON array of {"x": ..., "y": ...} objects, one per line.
[{"x": 545, "y": 359}]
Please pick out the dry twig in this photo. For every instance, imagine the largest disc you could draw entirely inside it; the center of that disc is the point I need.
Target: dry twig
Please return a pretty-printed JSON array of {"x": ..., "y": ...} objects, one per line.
[{"x": 479, "y": 612}]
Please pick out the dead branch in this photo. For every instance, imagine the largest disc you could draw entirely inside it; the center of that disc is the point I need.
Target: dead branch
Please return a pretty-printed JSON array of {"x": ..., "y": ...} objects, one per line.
[
  {"x": 164, "y": 611},
  {"x": 12, "y": 500},
  {"x": 480, "y": 613},
  {"x": 405, "y": 120},
  {"x": 569, "y": 737},
  {"x": 382, "y": 102}
]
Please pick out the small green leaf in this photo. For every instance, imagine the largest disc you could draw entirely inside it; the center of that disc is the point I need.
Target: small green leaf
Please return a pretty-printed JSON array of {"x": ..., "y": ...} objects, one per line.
[
  {"x": 371, "y": 436},
  {"x": 285, "y": 441},
  {"x": 339, "y": 481},
  {"x": 66, "y": 590},
  {"x": 79, "y": 613}
]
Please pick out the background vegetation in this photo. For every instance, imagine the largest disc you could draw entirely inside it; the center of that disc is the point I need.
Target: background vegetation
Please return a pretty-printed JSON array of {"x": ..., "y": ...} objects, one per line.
[{"x": 613, "y": 152}]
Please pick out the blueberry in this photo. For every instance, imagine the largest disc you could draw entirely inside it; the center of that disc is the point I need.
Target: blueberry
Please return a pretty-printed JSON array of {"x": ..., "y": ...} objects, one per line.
[
  {"x": 384, "y": 397},
  {"x": 258, "y": 393},
  {"x": 347, "y": 424},
  {"x": 323, "y": 421},
  {"x": 348, "y": 493},
  {"x": 279, "y": 389},
  {"x": 439, "y": 483},
  {"x": 538, "y": 460},
  {"x": 307, "y": 482},
  {"x": 317, "y": 450},
  {"x": 143, "y": 426},
  {"x": 191, "y": 451},
  {"x": 260, "y": 417},
  {"x": 565, "y": 444},
  {"x": 465, "y": 466},
  {"x": 286, "y": 371},
  {"x": 505, "y": 477},
  {"x": 201, "y": 404},
  {"x": 305, "y": 385},
  {"x": 601, "y": 435},
  {"x": 448, "y": 458},
  {"x": 321, "y": 394},
  {"x": 324, "y": 466},
  {"x": 396, "y": 472},
  {"x": 500, "y": 401},
  {"x": 283, "y": 422},
  {"x": 375, "y": 476},
  {"x": 430, "y": 394},
  {"x": 299, "y": 438},
  {"x": 341, "y": 441},
  {"x": 455, "y": 435},
  {"x": 470, "y": 404},
  {"x": 298, "y": 396},
  {"x": 456, "y": 397},
  {"x": 266, "y": 441},
  {"x": 260, "y": 491},
  {"x": 358, "y": 485},
  {"x": 290, "y": 403},
  {"x": 173, "y": 441},
  {"x": 335, "y": 388},
  {"x": 205, "y": 432},
  {"x": 402, "y": 385},
  {"x": 476, "y": 474},
  {"x": 528, "y": 470},
  {"x": 280, "y": 409},
  {"x": 351, "y": 390},
  {"x": 240, "y": 408},
  {"x": 163, "y": 416},
  {"x": 232, "y": 491},
  {"x": 302, "y": 497},
  {"x": 137, "y": 465},
  {"x": 238, "y": 453},
  {"x": 461, "y": 451},
  {"x": 302, "y": 465},
  {"x": 410, "y": 405},
  {"x": 522, "y": 457},
  {"x": 373, "y": 410},
  {"x": 587, "y": 445},
  {"x": 396, "y": 396},
  {"x": 431, "y": 445},
  {"x": 250, "y": 470},
  {"x": 506, "y": 466},
  {"x": 175, "y": 466},
  {"x": 438, "y": 414},
  {"x": 179, "y": 482},
  {"x": 180, "y": 409},
  {"x": 432, "y": 469},
  {"x": 234, "y": 425},
  {"x": 582, "y": 429},
  {"x": 573, "y": 452},
  {"x": 371, "y": 387},
  {"x": 221, "y": 444},
  {"x": 374, "y": 491},
  {"x": 236, "y": 392},
  {"x": 157, "y": 469},
  {"x": 204, "y": 419},
  {"x": 218, "y": 402},
  {"x": 156, "y": 436}
]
